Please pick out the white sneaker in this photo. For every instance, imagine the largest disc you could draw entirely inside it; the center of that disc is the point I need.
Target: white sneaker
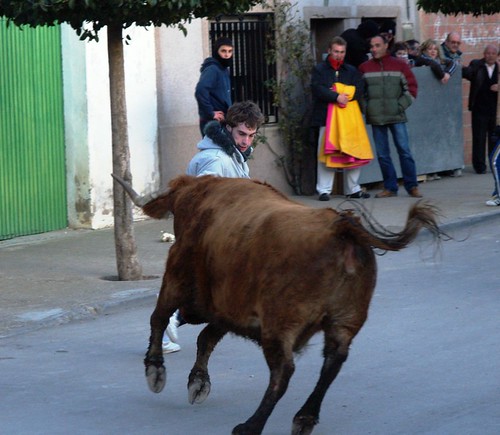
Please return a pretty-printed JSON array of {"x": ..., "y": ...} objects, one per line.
[
  {"x": 173, "y": 324},
  {"x": 169, "y": 347},
  {"x": 493, "y": 202}
]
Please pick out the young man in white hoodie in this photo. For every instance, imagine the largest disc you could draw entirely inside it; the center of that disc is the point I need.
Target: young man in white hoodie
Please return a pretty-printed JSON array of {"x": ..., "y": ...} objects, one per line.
[
  {"x": 223, "y": 152},
  {"x": 224, "y": 149}
]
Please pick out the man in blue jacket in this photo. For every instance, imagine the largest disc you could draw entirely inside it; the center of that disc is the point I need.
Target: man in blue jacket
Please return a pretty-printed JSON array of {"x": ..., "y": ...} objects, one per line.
[{"x": 213, "y": 91}]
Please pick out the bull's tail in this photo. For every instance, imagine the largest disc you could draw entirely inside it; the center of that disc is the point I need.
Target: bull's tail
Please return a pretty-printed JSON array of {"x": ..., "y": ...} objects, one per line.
[
  {"x": 421, "y": 215},
  {"x": 156, "y": 205}
]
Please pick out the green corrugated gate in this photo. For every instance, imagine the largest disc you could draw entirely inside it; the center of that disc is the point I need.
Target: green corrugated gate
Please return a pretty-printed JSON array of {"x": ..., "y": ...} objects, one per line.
[{"x": 32, "y": 155}]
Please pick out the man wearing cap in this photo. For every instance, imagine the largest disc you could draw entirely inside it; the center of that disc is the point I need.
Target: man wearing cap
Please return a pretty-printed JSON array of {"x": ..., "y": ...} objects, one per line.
[{"x": 213, "y": 91}]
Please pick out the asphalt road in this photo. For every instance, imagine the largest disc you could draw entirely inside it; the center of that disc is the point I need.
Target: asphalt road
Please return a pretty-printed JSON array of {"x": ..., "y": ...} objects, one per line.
[{"x": 426, "y": 362}]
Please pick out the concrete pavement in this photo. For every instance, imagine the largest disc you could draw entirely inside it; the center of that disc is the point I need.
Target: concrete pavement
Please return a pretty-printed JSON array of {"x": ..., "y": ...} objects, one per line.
[{"x": 69, "y": 275}]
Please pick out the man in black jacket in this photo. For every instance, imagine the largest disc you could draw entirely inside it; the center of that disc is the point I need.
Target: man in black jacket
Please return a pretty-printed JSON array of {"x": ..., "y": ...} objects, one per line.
[
  {"x": 483, "y": 95},
  {"x": 333, "y": 70}
]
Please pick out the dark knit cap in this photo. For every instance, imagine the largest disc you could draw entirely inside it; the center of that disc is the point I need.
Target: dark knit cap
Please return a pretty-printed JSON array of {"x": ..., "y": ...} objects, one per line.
[{"x": 220, "y": 42}]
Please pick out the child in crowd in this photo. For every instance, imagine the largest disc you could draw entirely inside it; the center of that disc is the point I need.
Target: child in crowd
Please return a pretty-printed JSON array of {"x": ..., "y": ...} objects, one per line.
[{"x": 400, "y": 50}]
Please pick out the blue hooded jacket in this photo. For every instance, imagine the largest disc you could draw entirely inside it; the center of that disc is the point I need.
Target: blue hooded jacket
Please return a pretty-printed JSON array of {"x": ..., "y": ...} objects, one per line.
[{"x": 213, "y": 91}]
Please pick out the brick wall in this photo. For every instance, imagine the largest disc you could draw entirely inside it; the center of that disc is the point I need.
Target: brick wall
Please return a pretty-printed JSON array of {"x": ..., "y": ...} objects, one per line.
[{"x": 476, "y": 33}]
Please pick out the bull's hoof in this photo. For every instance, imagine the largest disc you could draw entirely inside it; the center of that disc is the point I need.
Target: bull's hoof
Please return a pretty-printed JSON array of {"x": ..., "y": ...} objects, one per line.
[
  {"x": 247, "y": 428},
  {"x": 198, "y": 390},
  {"x": 156, "y": 377},
  {"x": 243, "y": 429},
  {"x": 303, "y": 425}
]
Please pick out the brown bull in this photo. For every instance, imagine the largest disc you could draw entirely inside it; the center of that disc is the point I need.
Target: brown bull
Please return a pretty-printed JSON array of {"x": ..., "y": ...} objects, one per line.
[{"x": 250, "y": 261}]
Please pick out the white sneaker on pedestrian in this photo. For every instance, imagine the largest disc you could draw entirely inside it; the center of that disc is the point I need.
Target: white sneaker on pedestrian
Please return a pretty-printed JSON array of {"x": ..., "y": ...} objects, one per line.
[
  {"x": 169, "y": 347},
  {"x": 173, "y": 324},
  {"x": 493, "y": 202}
]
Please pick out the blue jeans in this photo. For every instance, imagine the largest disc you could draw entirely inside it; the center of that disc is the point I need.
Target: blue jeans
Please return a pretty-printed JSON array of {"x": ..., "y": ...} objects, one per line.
[
  {"x": 495, "y": 167},
  {"x": 400, "y": 138}
]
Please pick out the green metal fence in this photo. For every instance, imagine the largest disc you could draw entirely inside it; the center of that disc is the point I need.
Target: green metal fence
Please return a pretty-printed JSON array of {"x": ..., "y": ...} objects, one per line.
[{"x": 32, "y": 154}]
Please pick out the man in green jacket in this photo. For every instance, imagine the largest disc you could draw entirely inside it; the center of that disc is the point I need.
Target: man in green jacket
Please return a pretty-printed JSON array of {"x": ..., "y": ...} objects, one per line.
[{"x": 390, "y": 88}]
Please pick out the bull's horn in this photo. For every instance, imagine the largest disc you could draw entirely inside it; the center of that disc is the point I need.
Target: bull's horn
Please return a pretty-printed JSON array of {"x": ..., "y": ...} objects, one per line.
[{"x": 139, "y": 201}]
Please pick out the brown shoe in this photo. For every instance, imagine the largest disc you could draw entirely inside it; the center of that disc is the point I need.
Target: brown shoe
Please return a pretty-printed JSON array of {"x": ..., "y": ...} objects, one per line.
[
  {"x": 415, "y": 193},
  {"x": 386, "y": 194}
]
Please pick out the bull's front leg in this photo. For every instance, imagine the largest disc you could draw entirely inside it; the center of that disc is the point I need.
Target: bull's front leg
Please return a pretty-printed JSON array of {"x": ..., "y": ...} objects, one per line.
[
  {"x": 279, "y": 358},
  {"x": 199, "y": 379},
  {"x": 156, "y": 374}
]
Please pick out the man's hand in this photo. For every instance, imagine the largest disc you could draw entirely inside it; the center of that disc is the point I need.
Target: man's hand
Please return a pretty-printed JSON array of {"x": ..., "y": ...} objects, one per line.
[
  {"x": 219, "y": 116},
  {"x": 445, "y": 79},
  {"x": 343, "y": 99}
]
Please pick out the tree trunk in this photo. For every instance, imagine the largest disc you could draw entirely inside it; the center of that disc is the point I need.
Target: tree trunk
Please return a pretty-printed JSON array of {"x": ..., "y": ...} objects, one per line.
[{"x": 127, "y": 262}]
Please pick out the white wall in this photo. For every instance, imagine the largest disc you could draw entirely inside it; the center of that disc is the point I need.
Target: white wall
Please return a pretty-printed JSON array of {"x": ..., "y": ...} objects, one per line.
[
  {"x": 88, "y": 123},
  {"x": 179, "y": 59}
]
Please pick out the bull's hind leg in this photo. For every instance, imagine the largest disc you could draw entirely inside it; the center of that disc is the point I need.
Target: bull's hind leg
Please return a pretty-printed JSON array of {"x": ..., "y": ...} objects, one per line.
[
  {"x": 199, "y": 379},
  {"x": 335, "y": 352},
  {"x": 279, "y": 357}
]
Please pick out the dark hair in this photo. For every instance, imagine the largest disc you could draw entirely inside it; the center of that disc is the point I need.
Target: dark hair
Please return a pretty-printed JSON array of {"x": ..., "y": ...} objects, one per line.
[
  {"x": 400, "y": 45},
  {"x": 246, "y": 112},
  {"x": 412, "y": 43}
]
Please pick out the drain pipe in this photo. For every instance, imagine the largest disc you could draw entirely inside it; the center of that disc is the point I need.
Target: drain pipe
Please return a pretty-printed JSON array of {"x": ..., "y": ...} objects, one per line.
[{"x": 408, "y": 31}]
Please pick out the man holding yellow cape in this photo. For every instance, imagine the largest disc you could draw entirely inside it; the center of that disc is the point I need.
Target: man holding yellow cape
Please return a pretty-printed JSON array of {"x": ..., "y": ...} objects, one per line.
[{"x": 343, "y": 142}]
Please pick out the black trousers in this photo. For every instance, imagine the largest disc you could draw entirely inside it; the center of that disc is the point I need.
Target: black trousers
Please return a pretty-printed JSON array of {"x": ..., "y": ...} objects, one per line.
[{"x": 483, "y": 126}]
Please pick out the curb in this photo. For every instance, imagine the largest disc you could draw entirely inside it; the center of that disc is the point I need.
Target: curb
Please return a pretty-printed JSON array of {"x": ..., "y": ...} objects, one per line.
[{"x": 83, "y": 313}]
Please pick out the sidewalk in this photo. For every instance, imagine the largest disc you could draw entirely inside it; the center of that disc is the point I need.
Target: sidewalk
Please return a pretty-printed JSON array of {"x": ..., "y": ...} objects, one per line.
[{"x": 56, "y": 277}]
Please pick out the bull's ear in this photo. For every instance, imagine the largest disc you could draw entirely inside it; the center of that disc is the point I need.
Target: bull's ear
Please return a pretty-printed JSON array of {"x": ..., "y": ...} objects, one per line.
[{"x": 158, "y": 208}]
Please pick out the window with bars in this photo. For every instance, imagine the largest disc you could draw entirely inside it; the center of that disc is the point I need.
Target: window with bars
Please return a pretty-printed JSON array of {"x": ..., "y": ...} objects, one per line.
[{"x": 250, "y": 34}]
